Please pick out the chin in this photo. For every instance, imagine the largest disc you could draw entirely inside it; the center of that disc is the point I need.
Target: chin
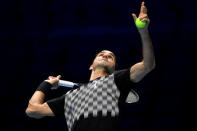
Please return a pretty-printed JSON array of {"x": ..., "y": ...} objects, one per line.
[{"x": 107, "y": 67}]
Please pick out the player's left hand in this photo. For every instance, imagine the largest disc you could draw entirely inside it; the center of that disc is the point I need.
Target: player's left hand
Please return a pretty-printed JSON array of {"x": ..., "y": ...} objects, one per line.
[{"x": 143, "y": 16}]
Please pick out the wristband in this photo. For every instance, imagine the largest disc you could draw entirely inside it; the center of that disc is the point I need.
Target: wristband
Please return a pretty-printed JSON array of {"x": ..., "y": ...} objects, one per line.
[{"x": 44, "y": 87}]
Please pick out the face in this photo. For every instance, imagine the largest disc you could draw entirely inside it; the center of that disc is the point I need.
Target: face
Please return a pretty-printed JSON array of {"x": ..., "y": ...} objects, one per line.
[{"x": 105, "y": 59}]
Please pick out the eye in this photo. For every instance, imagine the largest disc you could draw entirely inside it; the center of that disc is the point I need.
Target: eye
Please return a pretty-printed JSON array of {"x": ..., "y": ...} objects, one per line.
[
  {"x": 109, "y": 56},
  {"x": 100, "y": 55}
]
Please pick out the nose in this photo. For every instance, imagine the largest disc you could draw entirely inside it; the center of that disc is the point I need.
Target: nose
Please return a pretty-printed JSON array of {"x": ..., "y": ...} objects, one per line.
[{"x": 105, "y": 56}]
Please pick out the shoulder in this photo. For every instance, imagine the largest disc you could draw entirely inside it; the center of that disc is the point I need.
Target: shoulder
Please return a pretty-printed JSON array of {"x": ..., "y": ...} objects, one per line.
[
  {"x": 122, "y": 74},
  {"x": 122, "y": 77}
]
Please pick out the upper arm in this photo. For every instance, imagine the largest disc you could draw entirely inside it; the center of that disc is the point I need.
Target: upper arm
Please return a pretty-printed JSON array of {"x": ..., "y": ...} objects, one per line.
[
  {"x": 138, "y": 71},
  {"x": 39, "y": 110}
]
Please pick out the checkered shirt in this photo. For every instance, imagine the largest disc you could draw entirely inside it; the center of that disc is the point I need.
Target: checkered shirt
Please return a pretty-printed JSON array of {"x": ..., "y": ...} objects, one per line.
[{"x": 100, "y": 95}]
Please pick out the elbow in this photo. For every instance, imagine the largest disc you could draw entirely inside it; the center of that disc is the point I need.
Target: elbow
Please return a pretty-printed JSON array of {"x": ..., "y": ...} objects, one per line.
[
  {"x": 150, "y": 66},
  {"x": 31, "y": 112}
]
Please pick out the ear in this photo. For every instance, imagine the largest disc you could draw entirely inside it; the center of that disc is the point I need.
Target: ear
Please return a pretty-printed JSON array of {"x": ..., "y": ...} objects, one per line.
[{"x": 91, "y": 67}]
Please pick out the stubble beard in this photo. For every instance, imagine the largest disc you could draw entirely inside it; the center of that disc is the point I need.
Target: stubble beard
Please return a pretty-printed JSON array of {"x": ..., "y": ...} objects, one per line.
[{"x": 106, "y": 68}]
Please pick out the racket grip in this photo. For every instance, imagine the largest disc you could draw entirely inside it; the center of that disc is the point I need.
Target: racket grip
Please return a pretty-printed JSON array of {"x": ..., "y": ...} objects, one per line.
[{"x": 66, "y": 83}]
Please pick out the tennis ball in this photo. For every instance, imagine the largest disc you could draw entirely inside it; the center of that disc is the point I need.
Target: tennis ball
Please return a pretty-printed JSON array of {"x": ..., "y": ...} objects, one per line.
[{"x": 139, "y": 23}]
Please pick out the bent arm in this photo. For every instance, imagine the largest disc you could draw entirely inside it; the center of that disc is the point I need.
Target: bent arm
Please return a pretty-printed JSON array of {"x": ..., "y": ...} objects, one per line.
[
  {"x": 36, "y": 108},
  {"x": 139, "y": 70}
]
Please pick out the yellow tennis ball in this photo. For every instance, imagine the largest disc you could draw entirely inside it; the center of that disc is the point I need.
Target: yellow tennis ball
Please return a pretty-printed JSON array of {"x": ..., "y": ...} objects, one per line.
[{"x": 139, "y": 23}]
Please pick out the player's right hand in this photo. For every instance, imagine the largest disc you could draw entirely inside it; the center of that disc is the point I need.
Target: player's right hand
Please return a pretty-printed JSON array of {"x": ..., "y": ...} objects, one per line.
[{"x": 53, "y": 80}]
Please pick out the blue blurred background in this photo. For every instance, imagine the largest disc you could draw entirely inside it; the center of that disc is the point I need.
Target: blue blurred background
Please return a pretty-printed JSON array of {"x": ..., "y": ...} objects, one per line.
[{"x": 49, "y": 37}]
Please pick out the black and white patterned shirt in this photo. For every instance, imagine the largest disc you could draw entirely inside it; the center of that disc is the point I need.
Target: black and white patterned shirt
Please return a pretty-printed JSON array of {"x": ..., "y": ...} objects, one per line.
[{"x": 94, "y": 105}]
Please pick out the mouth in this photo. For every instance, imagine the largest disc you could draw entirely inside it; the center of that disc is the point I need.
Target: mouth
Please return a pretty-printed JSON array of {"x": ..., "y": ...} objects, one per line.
[{"x": 104, "y": 60}]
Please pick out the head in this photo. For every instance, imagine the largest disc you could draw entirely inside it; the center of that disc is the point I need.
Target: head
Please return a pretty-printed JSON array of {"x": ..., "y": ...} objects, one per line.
[{"x": 105, "y": 60}]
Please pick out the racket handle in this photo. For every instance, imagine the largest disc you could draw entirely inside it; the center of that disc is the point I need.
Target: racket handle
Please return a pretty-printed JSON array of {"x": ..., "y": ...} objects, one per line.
[{"x": 66, "y": 83}]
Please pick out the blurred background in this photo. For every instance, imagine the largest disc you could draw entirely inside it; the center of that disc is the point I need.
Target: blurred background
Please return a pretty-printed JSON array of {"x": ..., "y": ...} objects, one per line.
[{"x": 49, "y": 37}]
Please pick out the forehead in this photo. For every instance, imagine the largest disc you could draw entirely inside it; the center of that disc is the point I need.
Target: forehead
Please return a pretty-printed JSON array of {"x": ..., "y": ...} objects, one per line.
[{"x": 106, "y": 52}]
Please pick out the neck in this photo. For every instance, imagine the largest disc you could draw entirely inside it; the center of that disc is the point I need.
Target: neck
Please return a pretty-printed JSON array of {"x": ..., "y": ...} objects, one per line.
[{"x": 99, "y": 72}]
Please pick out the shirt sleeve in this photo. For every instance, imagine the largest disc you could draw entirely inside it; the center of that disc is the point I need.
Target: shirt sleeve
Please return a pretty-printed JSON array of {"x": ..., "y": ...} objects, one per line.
[
  {"x": 57, "y": 105},
  {"x": 123, "y": 82},
  {"x": 122, "y": 78}
]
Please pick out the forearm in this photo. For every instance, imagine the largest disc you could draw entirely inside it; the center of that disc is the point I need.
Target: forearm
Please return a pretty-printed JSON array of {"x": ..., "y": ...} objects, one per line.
[
  {"x": 39, "y": 95},
  {"x": 37, "y": 98},
  {"x": 147, "y": 49},
  {"x": 36, "y": 106},
  {"x": 139, "y": 70}
]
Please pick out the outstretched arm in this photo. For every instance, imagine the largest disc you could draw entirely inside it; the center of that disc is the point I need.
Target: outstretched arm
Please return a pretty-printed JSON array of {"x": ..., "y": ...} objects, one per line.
[
  {"x": 37, "y": 108},
  {"x": 139, "y": 70}
]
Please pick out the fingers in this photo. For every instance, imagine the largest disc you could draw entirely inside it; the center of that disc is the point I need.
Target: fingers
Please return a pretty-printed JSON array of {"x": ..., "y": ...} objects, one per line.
[
  {"x": 143, "y": 8},
  {"x": 145, "y": 20},
  {"x": 144, "y": 16},
  {"x": 143, "y": 13},
  {"x": 52, "y": 77},
  {"x": 59, "y": 76},
  {"x": 53, "y": 80},
  {"x": 134, "y": 16}
]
